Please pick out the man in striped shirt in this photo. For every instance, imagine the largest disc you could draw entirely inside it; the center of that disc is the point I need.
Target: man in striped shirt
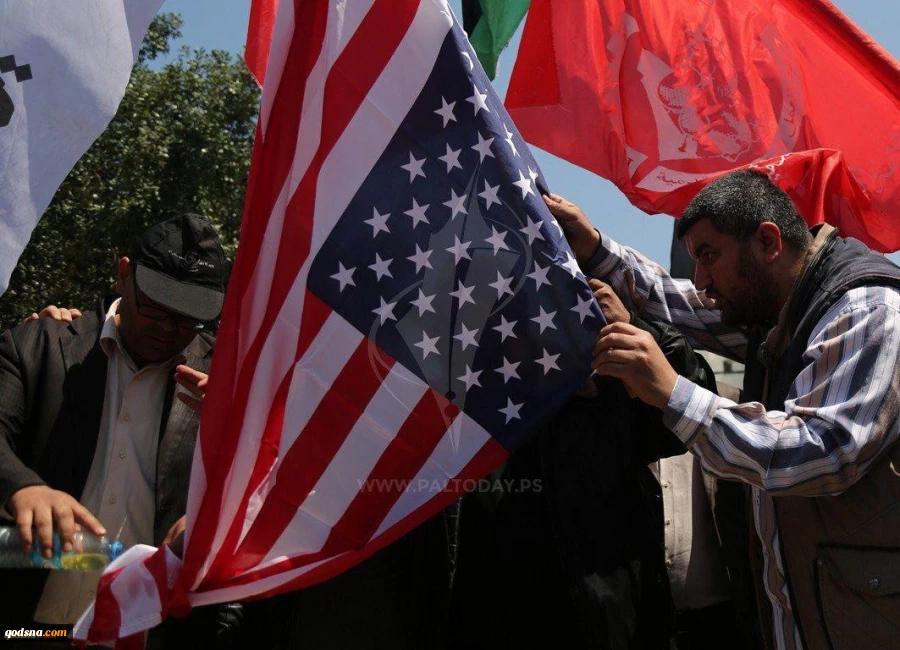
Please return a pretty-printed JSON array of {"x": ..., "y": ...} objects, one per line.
[{"x": 816, "y": 318}]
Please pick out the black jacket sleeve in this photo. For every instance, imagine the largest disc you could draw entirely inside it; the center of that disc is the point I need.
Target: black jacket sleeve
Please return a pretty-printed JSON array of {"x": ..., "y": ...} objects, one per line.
[
  {"x": 14, "y": 474},
  {"x": 656, "y": 439}
]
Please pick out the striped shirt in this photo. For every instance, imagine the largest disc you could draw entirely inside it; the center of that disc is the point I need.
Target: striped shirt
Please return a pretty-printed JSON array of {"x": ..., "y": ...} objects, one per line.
[{"x": 832, "y": 428}]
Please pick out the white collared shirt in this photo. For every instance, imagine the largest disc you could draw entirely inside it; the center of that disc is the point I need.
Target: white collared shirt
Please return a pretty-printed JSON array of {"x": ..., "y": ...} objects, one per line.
[{"x": 121, "y": 486}]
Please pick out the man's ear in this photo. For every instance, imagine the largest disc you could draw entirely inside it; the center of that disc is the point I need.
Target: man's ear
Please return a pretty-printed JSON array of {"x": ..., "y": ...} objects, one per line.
[
  {"x": 123, "y": 274},
  {"x": 767, "y": 241}
]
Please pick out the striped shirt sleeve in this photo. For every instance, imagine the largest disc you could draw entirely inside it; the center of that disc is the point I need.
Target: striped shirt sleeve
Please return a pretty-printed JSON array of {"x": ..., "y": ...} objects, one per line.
[
  {"x": 646, "y": 287},
  {"x": 841, "y": 413}
]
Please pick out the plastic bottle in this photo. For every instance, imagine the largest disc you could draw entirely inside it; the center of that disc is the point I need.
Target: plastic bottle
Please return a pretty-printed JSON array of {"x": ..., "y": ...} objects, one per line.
[{"x": 89, "y": 552}]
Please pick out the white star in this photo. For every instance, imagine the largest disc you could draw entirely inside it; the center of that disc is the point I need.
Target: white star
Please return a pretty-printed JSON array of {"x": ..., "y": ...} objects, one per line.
[
  {"x": 386, "y": 311},
  {"x": 548, "y": 361},
  {"x": 451, "y": 158},
  {"x": 533, "y": 175},
  {"x": 478, "y": 100},
  {"x": 508, "y": 370},
  {"x": 571, "y": 264},
  {"x": 463, "y": 294},
  {"x": 483, "y": 148},
  {"x": 502, "y": 286},
  {"x": 471, "y": 377},
  {"x": 460, "y": 249},
  {"x": 539, "y": 275},
  {"x": 532, "y": 230},
  {"x": 344, "y": 276},
  {"x": 446, "y": 111},
  {"x": 556, "y": 225},
  {"x": 414, "y": 167},
  {"x": 467, "y": 337},
  {"x": 505, "y": 328},
  {"x": 496, "y": 240},
  {"x": 524, "y": 184},
  {"x": 381, "y": 267},
  {"x": 420, "y": 259},
  {"x": 456, "y": 204},
  {"x": 584, "y": 308},
  {"x": 511, "y": 411},
  {"x": 378, "y": 222},
  {"x": 417, "y": 212},
  {"x": 489, "y": 195},
  {"x": 545, "y": 320},
  {"x": 428, "y": 345},
  {"x": 423, "y": 303},
  {"x": 509, "y": 141}
]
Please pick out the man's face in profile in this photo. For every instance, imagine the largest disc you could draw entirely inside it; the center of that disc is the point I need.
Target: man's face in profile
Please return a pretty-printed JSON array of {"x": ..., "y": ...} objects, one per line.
[{"x": 730, "y": 273}]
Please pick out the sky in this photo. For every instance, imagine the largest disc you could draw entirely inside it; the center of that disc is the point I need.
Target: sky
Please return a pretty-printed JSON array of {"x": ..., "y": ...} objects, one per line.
[{"x": 222, "y": 24}]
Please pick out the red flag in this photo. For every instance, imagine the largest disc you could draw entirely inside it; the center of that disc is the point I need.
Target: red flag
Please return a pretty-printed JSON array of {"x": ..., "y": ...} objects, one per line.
[
  {"x": 658, "y": 95},
  {"x": 259, "y": 37}
]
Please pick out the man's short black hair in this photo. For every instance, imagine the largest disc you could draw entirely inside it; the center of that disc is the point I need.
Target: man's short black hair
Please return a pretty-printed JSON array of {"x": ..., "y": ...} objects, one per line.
[{"x": 738, "y": 202}]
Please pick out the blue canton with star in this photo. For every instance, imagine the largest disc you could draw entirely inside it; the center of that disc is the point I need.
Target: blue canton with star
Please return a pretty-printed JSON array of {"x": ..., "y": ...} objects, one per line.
[{"x": 448, "y": 259}]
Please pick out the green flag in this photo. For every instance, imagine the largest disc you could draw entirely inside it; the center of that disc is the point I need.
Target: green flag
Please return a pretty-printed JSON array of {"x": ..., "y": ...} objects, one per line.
[{"x": 496, "y": 24}]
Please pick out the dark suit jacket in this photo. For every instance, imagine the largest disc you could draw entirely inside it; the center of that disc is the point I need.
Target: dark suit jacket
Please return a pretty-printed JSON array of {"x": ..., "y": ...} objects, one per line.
[{"x": 52, "y": 388}]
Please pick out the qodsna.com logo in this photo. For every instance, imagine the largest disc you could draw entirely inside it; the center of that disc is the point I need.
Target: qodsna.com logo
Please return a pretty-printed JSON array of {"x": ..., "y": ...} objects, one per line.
[{"x": 25, "y": 634}]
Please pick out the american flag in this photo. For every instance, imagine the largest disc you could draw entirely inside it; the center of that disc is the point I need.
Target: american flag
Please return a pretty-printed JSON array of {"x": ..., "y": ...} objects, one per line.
[{"x": 403, "y": 311}]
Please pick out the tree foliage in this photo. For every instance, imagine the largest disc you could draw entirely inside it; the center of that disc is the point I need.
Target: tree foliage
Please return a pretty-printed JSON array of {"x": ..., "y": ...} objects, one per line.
[{"x": 180, "y": 142}]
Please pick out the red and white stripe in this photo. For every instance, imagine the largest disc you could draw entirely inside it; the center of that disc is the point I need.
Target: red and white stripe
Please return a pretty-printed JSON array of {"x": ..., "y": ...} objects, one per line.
[
  {"x": 131, "y": 597},
  {"x": 259, "y": 37},
  {"x": 302, "y": 408}
]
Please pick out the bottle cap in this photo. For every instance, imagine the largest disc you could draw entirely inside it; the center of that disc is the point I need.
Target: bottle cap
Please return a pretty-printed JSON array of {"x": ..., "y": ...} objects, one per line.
[{"x": 116, "y": 548}]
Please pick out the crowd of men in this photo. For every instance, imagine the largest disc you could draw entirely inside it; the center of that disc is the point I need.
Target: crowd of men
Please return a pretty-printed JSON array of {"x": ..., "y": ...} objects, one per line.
[{"x": 780, "y": 528}]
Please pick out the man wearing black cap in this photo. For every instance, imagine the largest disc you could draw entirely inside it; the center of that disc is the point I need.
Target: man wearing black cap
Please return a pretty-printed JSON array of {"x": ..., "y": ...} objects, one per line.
[{"x": 90, "y": 432}]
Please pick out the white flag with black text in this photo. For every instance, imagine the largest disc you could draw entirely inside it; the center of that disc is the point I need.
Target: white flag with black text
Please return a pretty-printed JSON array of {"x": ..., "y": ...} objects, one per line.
[{"x": 63, "y": 70}]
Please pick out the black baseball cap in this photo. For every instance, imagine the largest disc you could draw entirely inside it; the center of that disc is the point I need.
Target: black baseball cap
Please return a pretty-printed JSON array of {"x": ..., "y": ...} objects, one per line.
[{"x": 180, "y": 265}]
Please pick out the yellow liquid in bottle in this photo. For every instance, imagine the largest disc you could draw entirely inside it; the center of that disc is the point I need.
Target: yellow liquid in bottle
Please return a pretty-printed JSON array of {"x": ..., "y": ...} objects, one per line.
[{"x": 84, "y": 561}]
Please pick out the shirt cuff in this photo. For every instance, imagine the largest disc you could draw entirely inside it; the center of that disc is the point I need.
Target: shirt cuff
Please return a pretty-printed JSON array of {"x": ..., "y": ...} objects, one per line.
[
  {"x": 690, "y": 410},
  {"x": 605, "y": 259}
]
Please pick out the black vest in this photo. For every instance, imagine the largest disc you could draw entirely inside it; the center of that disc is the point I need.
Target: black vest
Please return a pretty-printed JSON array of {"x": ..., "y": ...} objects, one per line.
[
  {"x": 840, "y": 553},
  {"x": 841, "y": 265}
]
